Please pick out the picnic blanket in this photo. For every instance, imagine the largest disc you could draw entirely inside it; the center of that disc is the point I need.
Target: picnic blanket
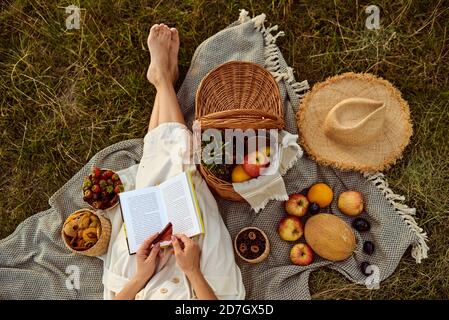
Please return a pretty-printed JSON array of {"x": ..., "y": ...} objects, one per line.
[{"x": 34, "y": 264}]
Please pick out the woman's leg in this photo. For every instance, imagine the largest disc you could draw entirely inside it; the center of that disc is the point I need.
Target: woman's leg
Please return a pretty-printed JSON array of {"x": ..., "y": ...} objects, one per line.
[{"x": 161, "y": 70}]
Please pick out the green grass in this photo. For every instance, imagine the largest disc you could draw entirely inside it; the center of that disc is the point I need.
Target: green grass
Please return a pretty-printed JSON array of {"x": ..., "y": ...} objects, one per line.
[{"x": 67, "y": 94}]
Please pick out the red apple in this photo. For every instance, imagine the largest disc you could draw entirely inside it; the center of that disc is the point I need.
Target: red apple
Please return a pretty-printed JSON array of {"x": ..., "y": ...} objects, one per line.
[
  {"x": 254, "y": 162},
  {"x": 290, "y": 228},
  {"x": 297, "y": 205},
  {"x": 301, "y": 254},
  {"x": 350, "y": 203}
]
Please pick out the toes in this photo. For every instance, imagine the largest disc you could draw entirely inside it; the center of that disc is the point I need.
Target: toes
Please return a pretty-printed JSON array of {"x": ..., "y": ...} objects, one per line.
[
  {"x": 174, "y": 34},
  {"x": 165, "y": 32}
]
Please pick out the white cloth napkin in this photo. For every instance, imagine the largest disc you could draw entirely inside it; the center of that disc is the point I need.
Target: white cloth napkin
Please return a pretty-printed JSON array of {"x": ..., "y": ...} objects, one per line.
[{"x": 258, "y": 192}]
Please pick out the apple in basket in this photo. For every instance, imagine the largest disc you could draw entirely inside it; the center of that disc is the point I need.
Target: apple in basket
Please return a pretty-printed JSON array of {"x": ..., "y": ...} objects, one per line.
[
  {"x": 301, "y": 254},
  {"x": 254, "y": 163},
  {"x": 290, "y": 228},
  {"x": 297, "y": 205}
]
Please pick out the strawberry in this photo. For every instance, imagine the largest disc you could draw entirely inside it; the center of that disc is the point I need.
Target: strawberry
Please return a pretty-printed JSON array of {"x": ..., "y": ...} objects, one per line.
[
  {"x": 88, "y": 194},
  {"x": 103, "y": 183},
  {"x": 96, "y": 172},
  {"x": 115, "y": 177},
  {"x": 119, "y": 189},
  {"x": 117, "y": 183},
  {"x": 96, "y": 188},
  {"x": 108, "y": 174},
  {"x": 110, "y": 182}
]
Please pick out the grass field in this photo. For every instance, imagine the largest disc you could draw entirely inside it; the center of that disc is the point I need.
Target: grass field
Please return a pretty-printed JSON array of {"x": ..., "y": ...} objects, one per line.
[{"x": 65, "y": 95}]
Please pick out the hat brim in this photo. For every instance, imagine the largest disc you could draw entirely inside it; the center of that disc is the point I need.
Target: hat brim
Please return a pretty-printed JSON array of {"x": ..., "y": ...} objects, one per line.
[{"x": 376, "y": 155}]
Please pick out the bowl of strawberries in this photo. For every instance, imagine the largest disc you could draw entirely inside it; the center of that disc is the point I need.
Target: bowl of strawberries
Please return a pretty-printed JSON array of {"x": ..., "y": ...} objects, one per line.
[{"x": 101, "y": 188}]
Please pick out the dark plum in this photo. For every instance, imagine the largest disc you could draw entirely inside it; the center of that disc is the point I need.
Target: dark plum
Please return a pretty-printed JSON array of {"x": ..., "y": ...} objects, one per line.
[
  {"x": 314, "y": 208},
  {"x": 361, "y": 225},
  {"x": 304, "y": 191},
  {"x": 368, "y": 247}
]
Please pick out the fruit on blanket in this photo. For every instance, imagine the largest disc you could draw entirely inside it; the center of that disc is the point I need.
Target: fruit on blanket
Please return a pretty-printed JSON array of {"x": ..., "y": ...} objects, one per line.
[
  {"x": 361, "y": 225},
  {"x": 252, "y": 245},
  {"x": 254, "y": 163},
  {"x": 364, "y": 268},
  {"x": 350, "y": 203},
  {"x": 239, "y": 174},
  {"x": 100, "y": 188},
  {"x": 290, "y": 228},
  {"x": 297, "y": 205},
  {"x": 301, "y": 254},
  {"x": 314, "y": 208},
  {"x": 329, "y": 237},
  {"x": 320, "y": 193},
  {"x": 368, "y": 247}
]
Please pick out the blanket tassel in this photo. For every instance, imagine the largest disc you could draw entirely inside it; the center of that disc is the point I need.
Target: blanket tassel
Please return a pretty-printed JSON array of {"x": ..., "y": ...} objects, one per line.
[{"x": 420, "y": 248}]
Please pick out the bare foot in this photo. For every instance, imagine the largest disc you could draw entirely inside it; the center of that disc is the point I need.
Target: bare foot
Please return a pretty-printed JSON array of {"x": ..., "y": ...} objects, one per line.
[
  {"x": 159, "y": 42},
  {"x": 174, "y": 49}
]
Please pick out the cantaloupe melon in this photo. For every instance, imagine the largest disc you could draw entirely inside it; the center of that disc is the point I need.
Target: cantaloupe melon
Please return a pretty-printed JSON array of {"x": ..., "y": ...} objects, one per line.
[{"x": 330, "y": 237}]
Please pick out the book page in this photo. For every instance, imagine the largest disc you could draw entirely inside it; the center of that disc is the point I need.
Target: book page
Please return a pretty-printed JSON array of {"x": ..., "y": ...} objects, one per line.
[
  {"x": 143, "y": 215},
  {"x": 179, "y": 204}
]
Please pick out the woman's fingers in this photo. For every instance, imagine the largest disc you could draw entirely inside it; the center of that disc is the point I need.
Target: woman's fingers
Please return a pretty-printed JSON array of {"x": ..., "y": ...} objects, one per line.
[
  {"x": 186, "y": 240},
  {"x": 154, "y": 252},
  {"x": 145, "y": 247},
  {"x": 176, "y": 245}
]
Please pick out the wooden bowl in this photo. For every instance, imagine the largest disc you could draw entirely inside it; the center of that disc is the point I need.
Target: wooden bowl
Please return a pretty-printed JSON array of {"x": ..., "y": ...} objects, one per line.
[
  {"x": 263, "y": 255},
  {"x": 101, "y": 246}
]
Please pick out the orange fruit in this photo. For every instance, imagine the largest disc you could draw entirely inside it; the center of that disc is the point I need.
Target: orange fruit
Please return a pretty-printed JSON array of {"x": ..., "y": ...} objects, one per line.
[
  {"x": 239, "y": 174},
  {"x": 321, "y": 194}
]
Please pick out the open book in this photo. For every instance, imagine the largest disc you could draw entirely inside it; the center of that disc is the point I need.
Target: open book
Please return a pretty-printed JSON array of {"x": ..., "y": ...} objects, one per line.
[{"x": 148, "y": 210}]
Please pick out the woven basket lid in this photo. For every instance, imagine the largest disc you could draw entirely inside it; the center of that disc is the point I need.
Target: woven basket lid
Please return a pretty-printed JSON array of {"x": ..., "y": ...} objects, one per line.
[
  {"x": 239, "y": 95},
  {"x": 355, "y": 121}
]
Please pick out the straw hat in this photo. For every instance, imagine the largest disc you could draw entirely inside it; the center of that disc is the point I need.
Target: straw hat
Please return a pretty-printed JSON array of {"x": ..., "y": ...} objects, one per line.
[{"x": 355, "y": 121}]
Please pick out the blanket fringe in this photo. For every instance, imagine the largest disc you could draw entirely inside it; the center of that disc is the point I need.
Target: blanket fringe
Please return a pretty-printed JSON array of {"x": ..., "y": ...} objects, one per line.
[
  {"x": 272, "y": 54},
  {"x": 419, "y": 248},
  {"x": 265, "y": 202}
]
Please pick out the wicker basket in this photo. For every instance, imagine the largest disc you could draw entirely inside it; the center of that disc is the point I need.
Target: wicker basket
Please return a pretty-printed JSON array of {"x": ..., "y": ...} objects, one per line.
[
  {"x": 237, "y": 95},
  {"x": 102, "y": 244}
]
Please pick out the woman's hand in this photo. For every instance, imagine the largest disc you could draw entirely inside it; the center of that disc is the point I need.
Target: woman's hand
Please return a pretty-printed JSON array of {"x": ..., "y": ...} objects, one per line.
[
  {"x": 147, "y": 259},
  {"x": 187, "y": 254}
]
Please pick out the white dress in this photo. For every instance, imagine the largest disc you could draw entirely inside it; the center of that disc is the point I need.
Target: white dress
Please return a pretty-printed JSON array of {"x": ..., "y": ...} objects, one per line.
[{"x": 164, "y": 147}]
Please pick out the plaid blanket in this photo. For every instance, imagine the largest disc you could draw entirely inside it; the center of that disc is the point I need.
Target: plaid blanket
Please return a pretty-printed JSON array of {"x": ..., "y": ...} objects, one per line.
[{"x": 34, "y": 263}]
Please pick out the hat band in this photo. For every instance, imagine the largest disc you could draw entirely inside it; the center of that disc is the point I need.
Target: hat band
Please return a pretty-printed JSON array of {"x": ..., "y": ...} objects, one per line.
[{"x": 355, "y": 121}]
